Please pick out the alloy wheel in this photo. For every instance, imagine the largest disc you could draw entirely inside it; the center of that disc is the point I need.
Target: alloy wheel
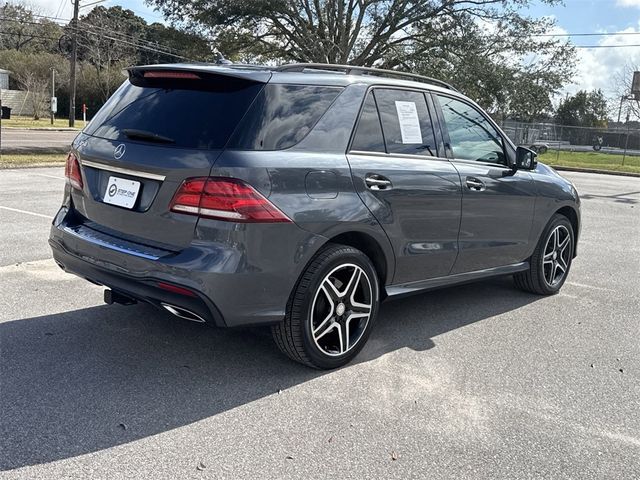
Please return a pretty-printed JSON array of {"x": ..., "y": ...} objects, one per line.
[
  {"x": 341, "y": 309},
  {"x": 557, "y": 256}
]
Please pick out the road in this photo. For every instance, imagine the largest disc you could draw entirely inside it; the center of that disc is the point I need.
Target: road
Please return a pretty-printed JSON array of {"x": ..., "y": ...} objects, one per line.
[
  {"x": 473, "y": 382},
  {"x": 589, "y": 148},
  {"x": 16, "y": 140}
]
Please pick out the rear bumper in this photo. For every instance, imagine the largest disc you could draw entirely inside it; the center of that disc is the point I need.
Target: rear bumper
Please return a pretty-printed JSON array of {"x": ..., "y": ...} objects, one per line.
[
  {"x": 234, "y": 282},
  {"x": 144, "y": 289}
]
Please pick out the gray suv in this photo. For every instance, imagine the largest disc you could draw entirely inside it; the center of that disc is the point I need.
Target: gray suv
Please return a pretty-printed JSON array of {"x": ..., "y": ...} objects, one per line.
[{"x": 302, "y": 196}]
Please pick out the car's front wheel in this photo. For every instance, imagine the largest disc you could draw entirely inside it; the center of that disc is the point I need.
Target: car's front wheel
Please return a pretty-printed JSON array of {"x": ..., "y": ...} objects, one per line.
[
  {"x": 550, "y": 263},
  {"x": 332, "y": 309}
]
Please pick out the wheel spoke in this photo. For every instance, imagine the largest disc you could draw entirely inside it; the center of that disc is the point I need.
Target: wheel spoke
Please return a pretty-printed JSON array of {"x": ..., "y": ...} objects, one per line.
[
  {"x": 342, "y": 339},
  {"x": 351, "y": 287},
  {"x": 326, "y": 330},
  {"x": 332, "y": 308},
  {"x": 551, "y": 244},
  {"x": 322, "y": 325},
  {"x": 563, "y": 263},
  {"x": 331, "y": 291},
  {"x": 360, "y": 308},
  {"x": 548, "y": 272},
  {"x": 559, "y": 266}
]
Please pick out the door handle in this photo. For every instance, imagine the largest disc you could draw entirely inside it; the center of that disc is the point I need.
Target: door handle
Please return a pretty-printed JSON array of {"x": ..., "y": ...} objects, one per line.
[
  {"x": 377, "y": 182},
  {"x": 475, "y": 184}
]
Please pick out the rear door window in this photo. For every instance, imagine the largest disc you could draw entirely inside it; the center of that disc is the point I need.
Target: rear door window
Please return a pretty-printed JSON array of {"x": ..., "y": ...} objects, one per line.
[
  {"x": 406, "y": 122},
  {"x": 368, "y": 136},
  {"x": 201, "y": 115},
  {"x": 282, "y": 115}
]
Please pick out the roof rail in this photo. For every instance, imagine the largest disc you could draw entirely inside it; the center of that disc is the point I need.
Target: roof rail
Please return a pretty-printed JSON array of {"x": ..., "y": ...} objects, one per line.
[{"x": 355, "y": 70}]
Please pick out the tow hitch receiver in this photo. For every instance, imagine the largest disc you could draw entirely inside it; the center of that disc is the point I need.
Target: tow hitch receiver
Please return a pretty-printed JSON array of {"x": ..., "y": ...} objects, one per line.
[{"x": 111, "y": 297}]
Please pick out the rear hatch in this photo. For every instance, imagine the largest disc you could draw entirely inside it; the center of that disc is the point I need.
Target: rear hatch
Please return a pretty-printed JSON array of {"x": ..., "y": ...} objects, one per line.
[{"x": 163, "y": 125}]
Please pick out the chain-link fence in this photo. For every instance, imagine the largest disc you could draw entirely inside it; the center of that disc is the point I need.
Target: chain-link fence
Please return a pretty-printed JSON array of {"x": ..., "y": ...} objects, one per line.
[{"x": 613, "y": 148}]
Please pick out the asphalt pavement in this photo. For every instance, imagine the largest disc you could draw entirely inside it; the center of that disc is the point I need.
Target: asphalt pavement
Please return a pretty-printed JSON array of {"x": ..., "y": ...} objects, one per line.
[
  {"x": 479, "y": 381},
  {"x": 24, "y": 140}
]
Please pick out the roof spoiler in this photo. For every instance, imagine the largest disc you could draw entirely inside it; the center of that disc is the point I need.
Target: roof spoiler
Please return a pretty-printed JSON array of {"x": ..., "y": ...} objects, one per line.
[{"x": 205, "y": 70}]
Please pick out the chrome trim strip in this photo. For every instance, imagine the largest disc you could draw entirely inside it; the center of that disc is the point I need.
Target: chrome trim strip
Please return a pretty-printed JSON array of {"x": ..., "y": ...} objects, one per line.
[
  {"x": 110, "y": 246},
  {"x": 395, "y": 155},
  {"x": 126, "y": 171},
  {"x": 422, "y": 285}
]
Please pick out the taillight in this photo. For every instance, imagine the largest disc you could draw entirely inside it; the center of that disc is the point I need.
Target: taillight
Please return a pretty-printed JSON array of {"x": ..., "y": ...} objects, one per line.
[
  {"x": 224, "y": 199},
  {"x": 72, "y": 172}
]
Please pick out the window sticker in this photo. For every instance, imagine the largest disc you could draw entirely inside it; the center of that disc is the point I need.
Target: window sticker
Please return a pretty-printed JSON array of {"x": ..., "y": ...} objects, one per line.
[{"x": 409, "y": 122}]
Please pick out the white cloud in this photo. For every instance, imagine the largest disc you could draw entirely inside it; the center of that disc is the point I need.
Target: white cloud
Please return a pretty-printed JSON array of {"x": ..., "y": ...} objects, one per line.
[
  {"x": 58, "y": 8},
  {"x": 597, "y": 67},
  {"x": 628, "y": 3}
]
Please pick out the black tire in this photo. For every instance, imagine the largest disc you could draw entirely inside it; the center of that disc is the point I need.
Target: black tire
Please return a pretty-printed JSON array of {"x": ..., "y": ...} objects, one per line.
[
  {"x": 294, "y": 335},
  {"x": 542, "y": 150},
  {"x": 543, "y": 276}
]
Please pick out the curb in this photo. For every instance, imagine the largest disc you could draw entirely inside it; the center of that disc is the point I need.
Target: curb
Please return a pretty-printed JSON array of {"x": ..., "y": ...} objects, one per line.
[
  {"x": 44, "y": 129},
  {"x": 35, "y": 150},
  {"x": 11, "y": 166},
  {"x": 595, "y": 170}
]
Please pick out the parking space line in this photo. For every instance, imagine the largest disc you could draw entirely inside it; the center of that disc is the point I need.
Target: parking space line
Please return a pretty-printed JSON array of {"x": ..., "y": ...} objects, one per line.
[
  {"x": 593, "y": 287},
  {"x": 26, "y": 212},
  {"x": 48, "y": 176}
]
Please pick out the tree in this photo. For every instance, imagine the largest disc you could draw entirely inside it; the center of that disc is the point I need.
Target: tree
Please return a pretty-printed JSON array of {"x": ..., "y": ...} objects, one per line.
[
  {"x": 22, "y": 30},
  {"x": 584, "y": 109},
  {"x": 32, "y": 71},
  {"x": 107, "y": 39},
  {"x": 359, "y": 32},
  {"x": 622, "y": 87},
  {"x": 487, "y": 48},
  {"x": 161, "y": 37},
  {"x": 502, "y": 64}
]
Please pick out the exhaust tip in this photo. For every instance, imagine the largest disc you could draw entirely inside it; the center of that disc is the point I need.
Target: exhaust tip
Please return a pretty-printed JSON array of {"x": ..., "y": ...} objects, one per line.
[{"x": 183, "y": 313}]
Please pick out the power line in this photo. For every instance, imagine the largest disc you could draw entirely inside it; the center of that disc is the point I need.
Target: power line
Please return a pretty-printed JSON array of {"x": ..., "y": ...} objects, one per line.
[
  {"x": 155, "y": 47},
  {"x": 605, "y": 46},
  {"x": 580, "y": 34},
  {"x": 593, "y": 34},
  {"x": 126, "y": 39}
]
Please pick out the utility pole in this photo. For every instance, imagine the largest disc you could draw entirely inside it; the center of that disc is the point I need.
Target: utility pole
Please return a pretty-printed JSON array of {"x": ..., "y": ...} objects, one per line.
[
  {"x": 53, "y": 93},
  {"x": 74, "y": 58}
]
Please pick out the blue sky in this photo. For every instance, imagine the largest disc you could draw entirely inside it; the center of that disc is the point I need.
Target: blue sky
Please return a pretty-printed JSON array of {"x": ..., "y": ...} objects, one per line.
[
  {"x": 579, "y": 16},
  {"x": 140, "y": 8},
  {"x": 596, "y": 68}
]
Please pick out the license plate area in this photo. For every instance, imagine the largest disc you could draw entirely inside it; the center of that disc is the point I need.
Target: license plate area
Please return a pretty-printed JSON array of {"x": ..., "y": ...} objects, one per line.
[{"x": 121, "y": 192}]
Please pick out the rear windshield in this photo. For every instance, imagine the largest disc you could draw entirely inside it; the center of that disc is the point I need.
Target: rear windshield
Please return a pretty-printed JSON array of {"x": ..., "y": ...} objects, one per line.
[
  {"x": 282, "y": 115},
  {"x": 198, "y": 115}
]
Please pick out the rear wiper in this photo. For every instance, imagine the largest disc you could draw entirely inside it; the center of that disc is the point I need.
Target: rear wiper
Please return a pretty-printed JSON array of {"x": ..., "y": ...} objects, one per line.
[{"x": 148, "y": 136}]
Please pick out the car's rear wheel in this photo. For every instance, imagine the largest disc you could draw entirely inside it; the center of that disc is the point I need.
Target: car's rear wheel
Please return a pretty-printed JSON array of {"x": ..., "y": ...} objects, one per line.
[
  {"x": 332, "y": 309},
  {"x": 550, "y": 263}
]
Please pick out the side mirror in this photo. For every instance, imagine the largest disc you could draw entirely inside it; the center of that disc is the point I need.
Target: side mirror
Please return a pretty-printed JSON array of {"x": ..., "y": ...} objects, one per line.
[{"x": 526, "y": 159}]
